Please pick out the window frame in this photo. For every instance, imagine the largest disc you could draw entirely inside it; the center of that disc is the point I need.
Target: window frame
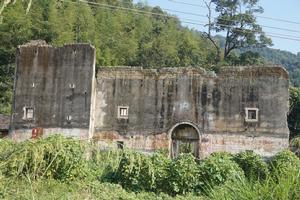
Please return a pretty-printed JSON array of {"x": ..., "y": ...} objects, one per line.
[
  {"x": 120, "y": 115},
  {"x": 247, "y": 119},
  {"x": 26, "y": 113}
]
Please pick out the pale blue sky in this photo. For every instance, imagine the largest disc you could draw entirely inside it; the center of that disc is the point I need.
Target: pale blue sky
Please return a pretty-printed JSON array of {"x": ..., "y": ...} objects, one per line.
[{"x": 283, "y": 9}]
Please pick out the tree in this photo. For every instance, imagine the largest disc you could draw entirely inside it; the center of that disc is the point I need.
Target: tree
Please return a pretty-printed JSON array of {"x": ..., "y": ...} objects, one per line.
[
  {"x": 62, "y": 21},
  {"x": 294, "y": 113},
  {"x": 14, "y": 30},
  {"x": 237, "y": 20},
  {"x": 7, "y": 2}
]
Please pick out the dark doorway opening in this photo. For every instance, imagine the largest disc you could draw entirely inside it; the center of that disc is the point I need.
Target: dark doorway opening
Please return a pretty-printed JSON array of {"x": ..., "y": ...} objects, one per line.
[{"x": 185, "y": 139}]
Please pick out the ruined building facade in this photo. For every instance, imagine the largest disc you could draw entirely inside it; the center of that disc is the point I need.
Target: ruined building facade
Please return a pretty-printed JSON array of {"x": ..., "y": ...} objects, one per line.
[{"x": 176, "y": 109}]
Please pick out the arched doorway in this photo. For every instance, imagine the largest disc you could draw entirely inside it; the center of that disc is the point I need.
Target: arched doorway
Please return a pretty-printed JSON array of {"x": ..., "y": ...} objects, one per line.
[{"x": 185, "y": 138}]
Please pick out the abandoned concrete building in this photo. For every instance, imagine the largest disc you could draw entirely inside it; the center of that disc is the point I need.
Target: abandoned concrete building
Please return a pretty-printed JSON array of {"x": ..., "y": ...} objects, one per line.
[{"x": 57, "y": 90}]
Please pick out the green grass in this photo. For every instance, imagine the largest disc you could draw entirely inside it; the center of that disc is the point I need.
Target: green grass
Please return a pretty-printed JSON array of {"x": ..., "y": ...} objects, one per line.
[{"x": 61, "y": 168}]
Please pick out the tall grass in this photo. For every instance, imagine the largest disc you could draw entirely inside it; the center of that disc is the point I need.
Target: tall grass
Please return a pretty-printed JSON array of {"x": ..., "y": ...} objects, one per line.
[
  {"x": 280, "y": 187},
  {"x": 63, "y": 168}
]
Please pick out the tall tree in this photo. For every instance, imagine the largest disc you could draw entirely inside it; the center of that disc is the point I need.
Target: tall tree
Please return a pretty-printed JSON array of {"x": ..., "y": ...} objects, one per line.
[
  {"x": 5, "y": 3},
  {"x": 62, "y": 20},
  {"x": 236, "y": 18}
]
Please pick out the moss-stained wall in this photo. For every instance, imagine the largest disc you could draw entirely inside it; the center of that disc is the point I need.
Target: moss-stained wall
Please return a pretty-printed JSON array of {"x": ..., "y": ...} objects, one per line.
[
  {"x": 60, "y": 85},
  {"x": 56, "y": 83},
  {"x": 215, "y": 104}
]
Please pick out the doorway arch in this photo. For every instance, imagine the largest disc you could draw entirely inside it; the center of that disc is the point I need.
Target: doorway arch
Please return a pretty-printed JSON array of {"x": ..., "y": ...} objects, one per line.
[{"x": 184, "y": 138}]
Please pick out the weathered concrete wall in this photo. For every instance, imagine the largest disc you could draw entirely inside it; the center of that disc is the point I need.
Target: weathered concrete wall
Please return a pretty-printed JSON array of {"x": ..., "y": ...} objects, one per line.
[
  {"x": 160, "y": 99},
  {"x": 56, "y": 83}
]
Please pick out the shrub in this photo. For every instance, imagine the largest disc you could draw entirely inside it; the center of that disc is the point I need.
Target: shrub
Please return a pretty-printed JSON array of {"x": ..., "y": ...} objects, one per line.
[
  {"x": 217, "y": 169},
  {"x": 161, "y": 165},
  {"x": 56, "y": 157},
  {"x": 183, "y": 174},
  {"x": 104, "y": 164},
  {"x": 222, "y": 154},
  {"x": 285, "y": 187},
  {"x": 252, "y": 164},
  {"x": 284, "y": 161},
  {"x": 136, "y": 172}
]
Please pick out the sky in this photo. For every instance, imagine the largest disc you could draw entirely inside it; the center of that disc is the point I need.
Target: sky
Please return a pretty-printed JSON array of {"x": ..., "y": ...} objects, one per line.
[{"x": 280, "y": 9}]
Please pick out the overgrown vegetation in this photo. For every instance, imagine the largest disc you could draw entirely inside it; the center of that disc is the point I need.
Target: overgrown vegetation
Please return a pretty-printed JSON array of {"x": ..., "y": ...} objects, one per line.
[
  {"x": 61, "y": 168},
  {"x": 294, "y": 112},
  {"x": 252, "y": 164}
]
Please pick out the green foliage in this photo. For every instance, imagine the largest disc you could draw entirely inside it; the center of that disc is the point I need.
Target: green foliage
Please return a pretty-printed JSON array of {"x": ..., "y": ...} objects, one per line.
[
  {"x": 294, "y": 112},
  {"x": 14, "y": 30},
  {"x": 77, "y": 190},
  {"x": 217, "y": 169},
  {"x": 243, "y": 59},
  {"x": 283, "y": 187},
  {"x": 222, "y": 155},
  {"x": 161, "y": 164},
  {"x": 283, "y": 162},
  {"x": 61, "y": 168},
  {"x": 54, "y": 157},
  {"x": 237, "y": 19},
  {"x": 252, "y": 164},
  {"x": 157, "y": 173},
  {"x": 183, "y": 174},
  {"x": 136, "y": 172}
]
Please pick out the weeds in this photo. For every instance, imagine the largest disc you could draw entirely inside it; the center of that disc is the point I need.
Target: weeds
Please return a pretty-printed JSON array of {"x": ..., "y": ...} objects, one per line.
[{"x": 62, "y": 168}]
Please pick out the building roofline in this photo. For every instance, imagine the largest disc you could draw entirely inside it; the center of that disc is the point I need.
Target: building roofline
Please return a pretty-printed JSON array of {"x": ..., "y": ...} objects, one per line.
[
  {"x": 43, "y": 43},
  {"x": 274, "y": 70}
]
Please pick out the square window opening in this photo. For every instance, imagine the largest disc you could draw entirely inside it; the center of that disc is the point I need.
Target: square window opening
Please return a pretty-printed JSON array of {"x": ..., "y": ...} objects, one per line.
[
  {"x": 28, "y": 113},
  {"x": 123, "y": 112},
  {"x": 69, "y": 117},
  {"x": 251, "y": 115}
]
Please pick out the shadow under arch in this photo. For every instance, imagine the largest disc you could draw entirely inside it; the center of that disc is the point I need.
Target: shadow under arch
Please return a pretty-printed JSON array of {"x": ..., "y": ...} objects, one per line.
[{"x": 184, "y": 137}]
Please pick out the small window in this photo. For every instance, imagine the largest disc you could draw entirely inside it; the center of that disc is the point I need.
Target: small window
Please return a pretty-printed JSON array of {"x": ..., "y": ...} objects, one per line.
[
  {"x": 251, "y": 114},
  {"x": 72, "y": 85},
  {"x": 69, "y": 117},
  {"x": 28, "y": 113},
  {"x": 123, "y": 112}
]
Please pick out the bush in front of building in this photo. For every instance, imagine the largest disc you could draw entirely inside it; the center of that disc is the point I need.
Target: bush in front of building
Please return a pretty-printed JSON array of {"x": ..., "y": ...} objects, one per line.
[
  {"x": 158, "y": 173},
  {"x": 136, "y": 172},
  {"x": 183, "y": 174},
  {"x": 217, "y": 169},
  {"x": 161, "y": 164},
  {"x": 54, "y": 157},
  {"x": 283, "y": 162},
  {"x": 252, "y": 164}
]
